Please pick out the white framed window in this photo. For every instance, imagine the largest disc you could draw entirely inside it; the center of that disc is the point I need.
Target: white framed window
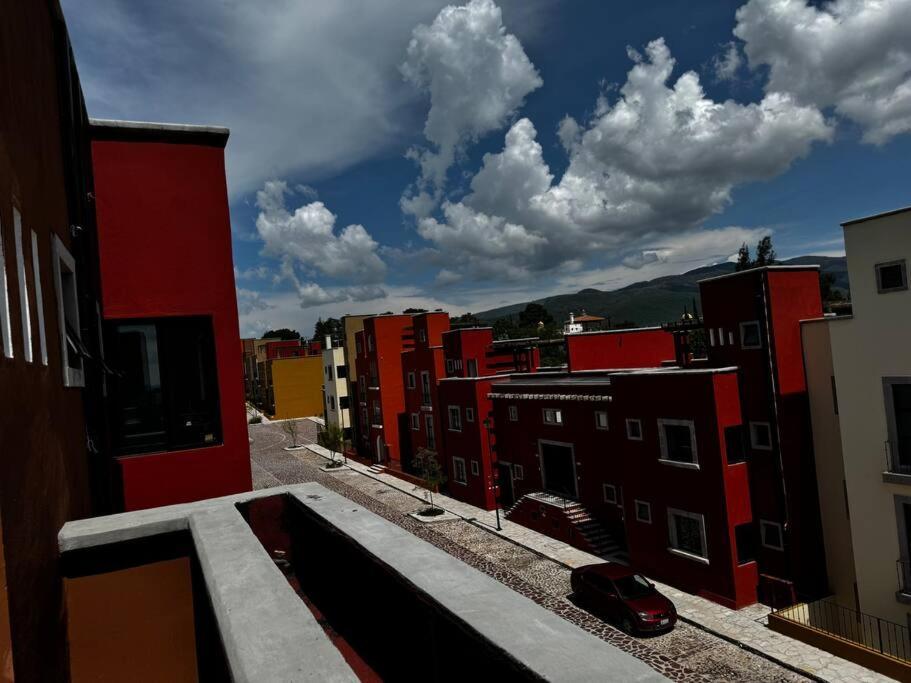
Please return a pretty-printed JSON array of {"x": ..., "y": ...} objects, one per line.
[
  {"x": 711, "y": 337},
  {"x": 553, "y": 416},
  {"x": 68, "y": 315},
  {"x": 720, "y": 336},
  {"x": 686, "y": 535},
  {"x": 472, "y": 368},
  {"x": 677, "y": 439},
  {"x": 761, "y": 436},
  {"x": 633, "y": 429},
  {"x": 411, "y": 380},
  {"x": 422, "y": 334},
  {"x": 332, "y": 403},
  {"x": 770, "y": 535},
  {"x": 475, "y": 468},
  {"x": 750, "y": 336},
  {"x": 449, "y": 367},
  {"x": 329, "y": 370},
  {"x": 24, "y": 308},
  {"x": 6, "y": 330},
  {"x": 415, "y": 422},
  {"x": 643, "y": 511},
  {"x": 891, "y": 276},
  {"x": 370, "y": 342},
  {"x": 425, "y": 389},
  {"x": 455, "y": 419},
  {"x": 600, "y": 419},
  {"x": 431, "y": 434},
  {"x": 518, "y": 472},
  {"x": 610, "y": 493},
  {"x": 469, "y": 415},
  {"x": 513, "y": 413},
  {"x": 458, "y": 471}
]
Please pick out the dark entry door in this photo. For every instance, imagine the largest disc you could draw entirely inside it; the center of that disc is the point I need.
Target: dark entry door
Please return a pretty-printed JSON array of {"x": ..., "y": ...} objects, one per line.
[
  {"x": 559, "y": 473},
  {"x": 504, "y": 479}
]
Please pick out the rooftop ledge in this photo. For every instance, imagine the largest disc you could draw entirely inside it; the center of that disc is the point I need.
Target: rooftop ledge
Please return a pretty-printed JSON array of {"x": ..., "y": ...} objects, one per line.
[{"x": 268, "y": 633}]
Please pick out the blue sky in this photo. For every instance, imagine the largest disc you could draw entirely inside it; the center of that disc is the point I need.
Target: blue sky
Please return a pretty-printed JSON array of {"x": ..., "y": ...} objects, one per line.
[{"x": 397, "y": 153}]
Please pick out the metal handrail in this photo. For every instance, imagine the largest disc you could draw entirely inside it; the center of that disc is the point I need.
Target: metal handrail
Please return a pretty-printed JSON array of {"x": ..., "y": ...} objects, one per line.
[{"x": 865, "y": 630}]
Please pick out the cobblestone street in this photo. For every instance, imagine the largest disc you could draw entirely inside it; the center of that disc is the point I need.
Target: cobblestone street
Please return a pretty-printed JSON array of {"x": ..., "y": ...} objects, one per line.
[{"x": 685, "y": 654}]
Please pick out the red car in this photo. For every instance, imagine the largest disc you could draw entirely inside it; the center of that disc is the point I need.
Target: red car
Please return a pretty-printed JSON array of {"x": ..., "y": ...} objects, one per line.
[{"x": 625, "y": 597}]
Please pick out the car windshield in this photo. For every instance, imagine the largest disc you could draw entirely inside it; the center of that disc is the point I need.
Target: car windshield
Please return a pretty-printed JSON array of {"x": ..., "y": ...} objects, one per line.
[{"x": 633, "y": 586}]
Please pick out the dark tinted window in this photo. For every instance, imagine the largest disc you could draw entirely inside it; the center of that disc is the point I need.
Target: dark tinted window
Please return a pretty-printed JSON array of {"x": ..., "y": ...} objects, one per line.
[
  {"x": 343, "y": 402},
  {"x": 165, "y": 396},
  {"x": 891, "y": 276},
  {"x": 679, "y": 443},
  {"x": 745, "y": 535},
  {"x": 342, "y": 371},
  {"x": 733, "y": 438}
]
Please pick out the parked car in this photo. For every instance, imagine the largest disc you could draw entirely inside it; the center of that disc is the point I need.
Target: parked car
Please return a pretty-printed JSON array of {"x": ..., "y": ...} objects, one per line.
[{"x": 625, "y": 597}]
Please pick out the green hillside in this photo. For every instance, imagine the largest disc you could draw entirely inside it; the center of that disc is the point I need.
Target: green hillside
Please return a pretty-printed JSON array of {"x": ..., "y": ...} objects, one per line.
[{"x": 654, "y": 301}]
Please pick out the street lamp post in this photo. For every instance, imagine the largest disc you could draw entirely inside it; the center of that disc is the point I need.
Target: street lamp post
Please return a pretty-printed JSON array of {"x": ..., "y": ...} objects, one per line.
[{"x": 496, "y": 489}]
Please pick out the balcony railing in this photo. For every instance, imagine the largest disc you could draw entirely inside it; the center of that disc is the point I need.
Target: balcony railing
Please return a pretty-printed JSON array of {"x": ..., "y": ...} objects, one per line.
[
  {"x": 898, "y": 456},
  {"x": 864, "y": 630}
]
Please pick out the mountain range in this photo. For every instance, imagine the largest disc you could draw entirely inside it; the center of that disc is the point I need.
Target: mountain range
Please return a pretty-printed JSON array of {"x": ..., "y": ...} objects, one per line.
[{"x": 655, "y": 301}]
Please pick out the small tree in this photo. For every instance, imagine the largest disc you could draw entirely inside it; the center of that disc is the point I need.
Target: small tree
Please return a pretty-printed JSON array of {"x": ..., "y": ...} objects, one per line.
[
  {"x": 429, "y": 469},
  {"x": 743, "y": 258},
  {"x": 290, "y": 428},
  {"x": 333, "y": 438},
  {"x": 765, "y": 253}
]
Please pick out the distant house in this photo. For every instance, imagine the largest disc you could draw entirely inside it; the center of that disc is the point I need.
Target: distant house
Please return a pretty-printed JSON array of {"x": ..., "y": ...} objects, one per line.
[{"x": 582, "y": 323}]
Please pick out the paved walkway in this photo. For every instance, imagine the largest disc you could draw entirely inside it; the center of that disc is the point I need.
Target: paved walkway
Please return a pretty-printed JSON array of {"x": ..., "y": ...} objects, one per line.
[{"x": 746, "y": 626}]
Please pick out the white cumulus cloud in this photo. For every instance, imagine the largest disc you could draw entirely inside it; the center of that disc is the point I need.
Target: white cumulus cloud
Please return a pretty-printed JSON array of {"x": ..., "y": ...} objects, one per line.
[
  {"x": 476, "y": 74},
  {"x": 854, "y": 55}
]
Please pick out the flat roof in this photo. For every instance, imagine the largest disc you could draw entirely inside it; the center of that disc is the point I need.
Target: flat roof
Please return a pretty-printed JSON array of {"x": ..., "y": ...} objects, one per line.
[
  {"x": 616, "y": 331},
  {"x": 876, "y": 215},
  {"x": 146, "y": 131},
  {"x": 738, "y": 273}
]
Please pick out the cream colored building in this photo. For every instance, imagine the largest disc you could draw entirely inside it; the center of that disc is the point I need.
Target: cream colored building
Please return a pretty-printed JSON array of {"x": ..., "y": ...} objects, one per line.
[
  {"x": 335, "y": 387},
  {"x": 859, "y": 378}
]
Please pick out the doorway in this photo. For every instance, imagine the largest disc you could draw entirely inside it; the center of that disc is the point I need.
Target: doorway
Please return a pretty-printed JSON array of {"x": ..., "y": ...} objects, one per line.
[
  {"x": 558, "y": 466},
  {"x": 507, "y": 490}
]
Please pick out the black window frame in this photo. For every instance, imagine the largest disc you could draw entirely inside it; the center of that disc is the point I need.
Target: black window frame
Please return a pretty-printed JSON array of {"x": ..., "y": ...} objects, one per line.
[{"x": 903, "y": 275}]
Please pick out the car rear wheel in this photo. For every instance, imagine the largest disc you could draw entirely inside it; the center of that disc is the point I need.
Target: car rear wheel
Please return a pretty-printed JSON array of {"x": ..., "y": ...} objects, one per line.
[{"x": 627, "y": 625}]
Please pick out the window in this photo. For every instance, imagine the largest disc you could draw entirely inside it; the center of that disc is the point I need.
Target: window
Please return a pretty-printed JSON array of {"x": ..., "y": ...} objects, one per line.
[
  {"x": 513, "y": 414},
  {"x": 600, "y": 419},
  {"x": 770, "y": 534},
  {"x": 634, "y": 429},
  {"x": 897, "y": 392},
  {"x": 458, "y": 470},
  {"x": 377, "y": 413},
  {"x": 6, "y": 332},
  {"x": 374, "y": 381},
  {"x": 449, "y": 366},
  {"x": 422, "y": 334},
  {"x": 329, "y": 372},
  {"x": 472, "y": 368},
  {"x": 68, "y": 315},
  {"x": 834, "y": 396},
  {"x": 362, "y": 387},
  {"x": 370, "y": 342},
  {"x": 761, "y": 436},
  {"x": 518, "y": 472},
  {"x": 745, "y": 538},
  {"x": 475, "y": 468},
  {"x": 411, "y": 380},
  {"x": 610, "y": 493},
  {"x": 455, "y": 419},
  {"x": 24, "y": 308},
  {"x": 343, "y": 403},
  {"x": 469, "y": 415},
  {"x": 332, "y": 403},
  {"x": 891, "y": 277},
  {"x": 750, "y": 337},
  {"x": 425, "y": 389},
  {"x": 431, "y": 436},
  {"x": 720, "y": 336},
  {"x": 165, "y": 395},
  {"x": 686, "y": 532},
  {"x": 677, "y": 439},
  {"x": 359, "y": 349},
  {"x": 731, "y": 338},
  {"x": 341, "y": 372},
  {"x": 643, "y": 512},
  {"x": 552, "y": 416},
  {"x": 415, "y": 422},
  {"x": 734, "y": 444},
  {"x": 711, "y": 337}
]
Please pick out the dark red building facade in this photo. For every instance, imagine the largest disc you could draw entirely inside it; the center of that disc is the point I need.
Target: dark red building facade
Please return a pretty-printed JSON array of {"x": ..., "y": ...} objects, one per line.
[
  {"x": 171, "y": 327},
  {"x": 614, "y": 349}
]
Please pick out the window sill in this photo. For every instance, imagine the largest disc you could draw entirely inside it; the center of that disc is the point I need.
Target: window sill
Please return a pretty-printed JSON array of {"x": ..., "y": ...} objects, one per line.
[
  {"x": 689, "y": 556},
  {"x": 897, "y": 478},
  {"x": 457, "y": 431},
  {"x": 903, "y": 597},
  {"x": 675, "y": 463}
]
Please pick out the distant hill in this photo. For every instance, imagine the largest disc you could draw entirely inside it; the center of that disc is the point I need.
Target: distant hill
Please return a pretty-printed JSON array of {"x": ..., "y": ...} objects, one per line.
[{"x": 654, "y": 301}]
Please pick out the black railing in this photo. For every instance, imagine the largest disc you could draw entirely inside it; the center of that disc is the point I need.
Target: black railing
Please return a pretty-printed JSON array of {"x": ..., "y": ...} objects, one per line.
[
  {"x": 898, "y": 456},
  {"x": 872, "y": 633}
]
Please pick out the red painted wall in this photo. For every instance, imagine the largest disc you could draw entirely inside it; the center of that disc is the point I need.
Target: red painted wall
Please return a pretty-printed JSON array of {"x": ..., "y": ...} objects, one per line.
[
  {"x": 285, "y": 349},
  {"x": 614, "y": 349},
  {"x": 165, "y": 250},
  {"x": 426, "y": 356},
  {"x": 716, "y": 490}
]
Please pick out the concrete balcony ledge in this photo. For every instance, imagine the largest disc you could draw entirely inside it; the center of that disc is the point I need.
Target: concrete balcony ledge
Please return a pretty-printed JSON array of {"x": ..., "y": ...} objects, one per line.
[{"x": 269, "y": 633}]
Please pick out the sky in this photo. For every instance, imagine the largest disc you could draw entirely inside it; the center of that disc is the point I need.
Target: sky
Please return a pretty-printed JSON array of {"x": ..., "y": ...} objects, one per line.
[{"x": 387, "y": 154}]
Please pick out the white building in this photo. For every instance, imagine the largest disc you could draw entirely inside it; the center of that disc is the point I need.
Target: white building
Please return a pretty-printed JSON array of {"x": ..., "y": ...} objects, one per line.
[
  {"x": 335, "y": 388},
  {"x": 859, "y": 378}
]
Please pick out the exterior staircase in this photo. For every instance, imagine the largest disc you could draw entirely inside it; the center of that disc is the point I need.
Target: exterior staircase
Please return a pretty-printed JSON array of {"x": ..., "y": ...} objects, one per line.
[
  {"x": 568, "y": 521},
  {"x": 376, "y": 468}
]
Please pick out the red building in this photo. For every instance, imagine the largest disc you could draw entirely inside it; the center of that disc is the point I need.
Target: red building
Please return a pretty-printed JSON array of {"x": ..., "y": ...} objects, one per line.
[
  {"x": 473, "y": 362},
  {"x": 171, "y": 328},
  {"x": 422, "y": 369},
  {"x": 645, "y": 347},
  {"x": 380, "y": 388},
  {"x": 703, "y": 471}
]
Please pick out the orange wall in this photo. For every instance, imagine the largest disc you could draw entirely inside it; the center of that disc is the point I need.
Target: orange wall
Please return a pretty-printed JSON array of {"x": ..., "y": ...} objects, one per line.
[
  {"x": 297, "y": 384},
  {"x": 133, "y": 625}
]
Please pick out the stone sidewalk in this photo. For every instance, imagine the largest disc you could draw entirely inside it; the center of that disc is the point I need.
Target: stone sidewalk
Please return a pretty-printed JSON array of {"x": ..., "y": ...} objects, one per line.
[{"x": 746, "y": 627}]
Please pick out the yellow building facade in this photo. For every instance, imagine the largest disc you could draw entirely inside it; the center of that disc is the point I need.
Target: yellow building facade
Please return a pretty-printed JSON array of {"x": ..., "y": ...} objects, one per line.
[{"x": 296, "y": 386}]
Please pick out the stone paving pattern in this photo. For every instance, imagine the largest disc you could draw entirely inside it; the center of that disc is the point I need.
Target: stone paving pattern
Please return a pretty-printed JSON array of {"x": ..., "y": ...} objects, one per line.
[{"x": 685, "y": 654}]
